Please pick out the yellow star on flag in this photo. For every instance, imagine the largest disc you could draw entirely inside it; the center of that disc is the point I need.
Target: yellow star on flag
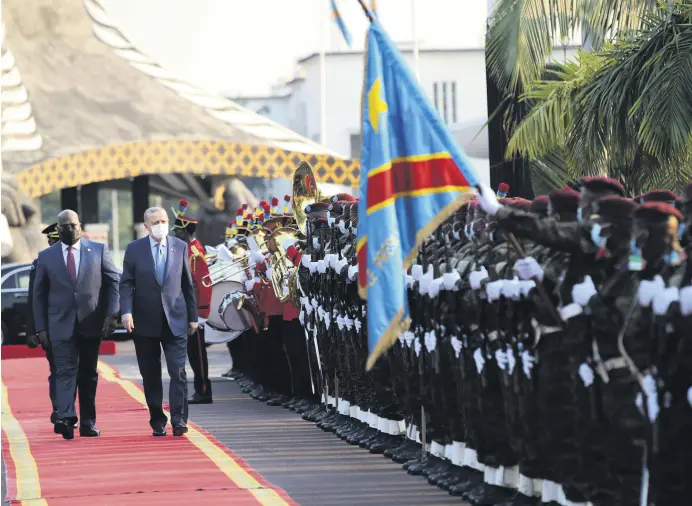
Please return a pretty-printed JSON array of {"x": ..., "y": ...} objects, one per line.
[{"x": 376, "y": 105}]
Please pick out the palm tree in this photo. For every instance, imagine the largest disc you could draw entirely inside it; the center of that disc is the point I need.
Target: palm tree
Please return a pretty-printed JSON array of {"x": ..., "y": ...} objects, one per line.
[
  {"x": 625, "y": 110},
  {"x": 521, "y": 36}
]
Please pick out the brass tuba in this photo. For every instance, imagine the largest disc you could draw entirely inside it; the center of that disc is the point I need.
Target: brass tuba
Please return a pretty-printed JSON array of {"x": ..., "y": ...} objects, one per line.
[
  {"x": 306, "y": 191},
  {"x": 281, "y": 266}
]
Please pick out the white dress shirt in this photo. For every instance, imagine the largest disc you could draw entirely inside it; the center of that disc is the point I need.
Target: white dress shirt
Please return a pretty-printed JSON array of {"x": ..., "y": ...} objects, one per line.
[{"x": 76, "y": 252}]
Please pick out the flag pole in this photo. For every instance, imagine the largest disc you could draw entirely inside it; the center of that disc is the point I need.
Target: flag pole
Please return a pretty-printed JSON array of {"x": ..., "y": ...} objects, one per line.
[
  {"x": 416, "y": 53},
  {"x": 368, "y": 12},
  {"x": 323, "y": 74}
]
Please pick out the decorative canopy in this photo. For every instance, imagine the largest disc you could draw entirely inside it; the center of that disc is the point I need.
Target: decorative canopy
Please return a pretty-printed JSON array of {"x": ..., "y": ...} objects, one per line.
[{"x": 78, "y": 97}]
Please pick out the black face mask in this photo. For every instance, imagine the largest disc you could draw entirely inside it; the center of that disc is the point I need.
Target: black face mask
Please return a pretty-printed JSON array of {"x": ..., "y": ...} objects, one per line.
[{"x": 70, "y": 235}]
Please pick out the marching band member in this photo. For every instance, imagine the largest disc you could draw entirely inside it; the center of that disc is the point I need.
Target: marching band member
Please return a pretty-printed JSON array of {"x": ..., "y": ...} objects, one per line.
[{"x": 184, "y": 229}]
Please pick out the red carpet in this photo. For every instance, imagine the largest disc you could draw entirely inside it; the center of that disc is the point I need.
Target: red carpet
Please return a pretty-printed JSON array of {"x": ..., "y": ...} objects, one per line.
[
  {"x": 126, "y": 465},
  {"x": 23, "y": 351}
]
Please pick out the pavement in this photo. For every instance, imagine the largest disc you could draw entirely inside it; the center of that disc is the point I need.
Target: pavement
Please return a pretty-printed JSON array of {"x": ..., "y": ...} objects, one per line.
[{"x": 313, "y": 467}]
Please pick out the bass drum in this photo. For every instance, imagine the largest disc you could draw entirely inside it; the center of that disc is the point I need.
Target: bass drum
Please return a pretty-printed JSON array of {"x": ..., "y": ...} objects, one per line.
[
  {"x": 218, "y": 292},
  {"x": 235, "y": 318}
]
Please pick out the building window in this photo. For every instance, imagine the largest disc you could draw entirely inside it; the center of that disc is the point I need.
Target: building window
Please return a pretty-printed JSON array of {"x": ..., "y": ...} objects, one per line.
[
  {"x": 435, "y": 96},
  {"x": 356, "y": 145},
  {"x": 454, "y": 102},
  {"x": 444, "y": 102}
]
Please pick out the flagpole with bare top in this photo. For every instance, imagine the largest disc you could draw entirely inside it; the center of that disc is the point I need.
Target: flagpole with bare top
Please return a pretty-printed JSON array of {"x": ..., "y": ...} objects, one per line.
[
  {"x": 324, "y": 17},
  {"x": 416, "y": 52}
]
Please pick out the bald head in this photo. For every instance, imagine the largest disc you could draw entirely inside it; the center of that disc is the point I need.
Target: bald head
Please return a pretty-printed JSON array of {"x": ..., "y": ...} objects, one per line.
[
  {"x": 69, "y": 228},
  {"x": 67, "y": 216}
]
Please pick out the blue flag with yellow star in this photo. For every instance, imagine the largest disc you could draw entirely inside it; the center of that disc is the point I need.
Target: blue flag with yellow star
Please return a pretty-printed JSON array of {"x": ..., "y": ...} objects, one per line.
[{"x": 413, "y": 177}]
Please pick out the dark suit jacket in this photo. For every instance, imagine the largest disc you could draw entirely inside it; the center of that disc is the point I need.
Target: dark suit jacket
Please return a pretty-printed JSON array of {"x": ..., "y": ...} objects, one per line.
[
  {"x": 30, "y": 327},
  {"x": 59, "y": 304},
  {"x": 149, "y": 302}
]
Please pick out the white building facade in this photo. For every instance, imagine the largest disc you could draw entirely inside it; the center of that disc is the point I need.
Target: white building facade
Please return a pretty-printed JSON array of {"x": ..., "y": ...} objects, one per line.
[{"x": 453, "y": 79}]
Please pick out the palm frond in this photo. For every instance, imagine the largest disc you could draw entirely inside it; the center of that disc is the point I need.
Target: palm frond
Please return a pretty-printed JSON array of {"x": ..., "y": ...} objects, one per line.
[{"x": 521, "y": 33}]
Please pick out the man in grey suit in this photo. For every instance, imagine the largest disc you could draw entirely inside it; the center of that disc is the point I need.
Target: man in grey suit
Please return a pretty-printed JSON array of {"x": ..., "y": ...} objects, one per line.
[
  {"x": 75, "y": 303},
  {"x": 158, "y": 305}
]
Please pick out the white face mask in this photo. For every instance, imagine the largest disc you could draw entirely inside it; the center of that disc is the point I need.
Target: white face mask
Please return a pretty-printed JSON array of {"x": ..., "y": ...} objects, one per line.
[{"x": 159, "y": 231}]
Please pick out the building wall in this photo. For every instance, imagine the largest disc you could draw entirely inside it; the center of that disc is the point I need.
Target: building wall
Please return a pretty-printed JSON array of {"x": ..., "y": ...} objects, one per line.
[{"x": 458, "y": 75}]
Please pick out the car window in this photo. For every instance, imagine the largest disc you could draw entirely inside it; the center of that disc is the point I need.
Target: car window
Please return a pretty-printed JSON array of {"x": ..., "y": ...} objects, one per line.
[
  {"x": 23, "y": 279},
  {"x": 10, "y": 282}
]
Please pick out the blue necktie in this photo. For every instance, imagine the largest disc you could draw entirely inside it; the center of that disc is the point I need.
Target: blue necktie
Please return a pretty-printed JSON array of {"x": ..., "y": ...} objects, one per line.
[{"x": 160, "y": 263}]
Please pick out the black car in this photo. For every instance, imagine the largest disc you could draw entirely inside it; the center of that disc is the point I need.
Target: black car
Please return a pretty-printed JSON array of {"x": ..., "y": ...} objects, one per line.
[{"x": 14, "y": 293}]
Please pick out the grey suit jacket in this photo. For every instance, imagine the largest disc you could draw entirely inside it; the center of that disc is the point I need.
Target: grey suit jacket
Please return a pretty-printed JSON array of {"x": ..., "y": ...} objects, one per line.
[
  {"x": 150, "y": 302},
  {"x": 59, "y": 304}
]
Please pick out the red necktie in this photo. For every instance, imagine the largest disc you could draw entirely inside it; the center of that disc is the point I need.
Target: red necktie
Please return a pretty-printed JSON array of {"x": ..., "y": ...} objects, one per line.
[{"x": 71, "y": 269}]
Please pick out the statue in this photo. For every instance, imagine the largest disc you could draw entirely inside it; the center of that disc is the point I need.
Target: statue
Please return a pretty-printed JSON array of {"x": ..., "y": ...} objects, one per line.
[
  {"x": 21, "y": 238},
  {"x": 229, "y": 195}
]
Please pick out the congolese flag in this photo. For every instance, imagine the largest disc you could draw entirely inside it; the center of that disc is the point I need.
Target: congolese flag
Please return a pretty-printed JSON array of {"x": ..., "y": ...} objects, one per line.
[{"x": 413, "y": 178}]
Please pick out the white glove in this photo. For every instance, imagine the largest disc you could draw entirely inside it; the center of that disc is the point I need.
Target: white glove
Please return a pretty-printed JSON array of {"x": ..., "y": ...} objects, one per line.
[
  {"x": 313, "y": 267},
  {"x": 449, "y": 280},
  {"x": 256, "y": 257},
  {"x": 686, "y": 300},
  {"x": 434, "y": 289},
  {"x": 494, "y": 289},
  {"x": 582, "y": 292},
  {"x": 476, "y": 277},
  {"x": 649, "y": 289},
  {"x": 526, "y": 287},
  {"x": 529, "y": 268},
  {"x": 488, "y": 200},
  {"x": 417, "y": 272},
  {"x": 321, "y": 266},
  {"x": 511, "y": 289},
  {"x": 409, "y": 281},
  {"x": 340, "y": 264},
  {"x": 352, "y": 272},
  {"x": 305, "y": 260},
  {"x": 662, "y": 302}
]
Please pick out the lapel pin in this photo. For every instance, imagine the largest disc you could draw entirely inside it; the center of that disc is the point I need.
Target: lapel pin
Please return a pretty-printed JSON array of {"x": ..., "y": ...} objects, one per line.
[{"x": 88, "y": 249}]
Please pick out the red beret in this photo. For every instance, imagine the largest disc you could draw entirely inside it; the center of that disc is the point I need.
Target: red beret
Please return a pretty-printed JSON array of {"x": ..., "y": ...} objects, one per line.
[
  {"x": 564, "y": 200},
  {"x": 615, "y": 208},
  {"x": 539, "y": 205},
  {"x": 517, "y": 203},
  {"x": 601, "y": 184},
  {"x": 343, "y": 196},
  {"x": 665, "y": 196},
  {"x": 503, "y": 188},
  {"x": 656, "y": 212}
]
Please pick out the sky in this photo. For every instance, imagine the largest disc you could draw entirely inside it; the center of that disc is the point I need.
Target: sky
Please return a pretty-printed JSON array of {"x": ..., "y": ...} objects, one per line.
[{"x": 243, "y": 47}]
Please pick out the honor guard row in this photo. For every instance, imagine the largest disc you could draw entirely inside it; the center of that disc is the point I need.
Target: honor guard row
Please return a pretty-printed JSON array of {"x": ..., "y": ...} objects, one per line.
[{"x": 548, "y": 360}]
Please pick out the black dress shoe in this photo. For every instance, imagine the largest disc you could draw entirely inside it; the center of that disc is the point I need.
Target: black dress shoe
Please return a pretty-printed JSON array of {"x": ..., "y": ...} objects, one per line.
[
  {"x": 88, "y": 431},
  {"x": 200, "y": 399},
  {"x": 159, "y": 432},
  {"x": 64, "y": 428},
  {"x": 54, "y": 417},
  {"x": 179, "y": 430}
]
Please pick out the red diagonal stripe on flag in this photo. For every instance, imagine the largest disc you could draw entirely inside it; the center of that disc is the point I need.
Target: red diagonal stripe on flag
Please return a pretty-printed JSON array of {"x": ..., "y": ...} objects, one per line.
[{"x": 406, "y": 177}]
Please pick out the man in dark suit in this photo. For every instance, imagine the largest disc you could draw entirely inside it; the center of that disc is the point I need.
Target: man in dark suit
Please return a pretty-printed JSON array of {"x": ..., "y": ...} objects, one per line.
[
  {"x": 158, "y": 304},
  {"x": 75, "y": 301},
  {"x": 51, "y": 233}
]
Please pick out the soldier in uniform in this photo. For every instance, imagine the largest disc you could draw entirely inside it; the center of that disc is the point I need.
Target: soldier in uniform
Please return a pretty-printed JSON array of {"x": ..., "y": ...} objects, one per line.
[
  {"x": 184, "y": 228},
  {"x": 32, "y": 339}
]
